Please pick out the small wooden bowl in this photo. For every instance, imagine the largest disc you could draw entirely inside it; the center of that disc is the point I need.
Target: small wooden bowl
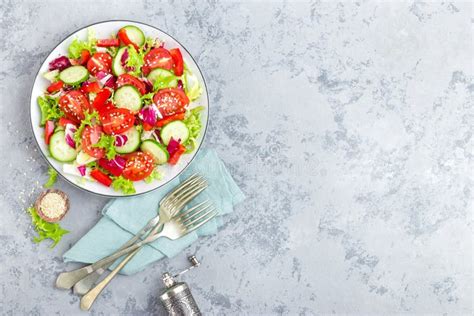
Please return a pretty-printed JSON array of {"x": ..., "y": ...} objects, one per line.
[{"x": 39, "y": 200}]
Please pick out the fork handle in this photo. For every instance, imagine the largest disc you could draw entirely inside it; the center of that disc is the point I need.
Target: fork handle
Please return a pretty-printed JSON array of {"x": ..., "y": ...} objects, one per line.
[
  {"x": 66, "y": 280},
  {"x": 88, "y": 299}
]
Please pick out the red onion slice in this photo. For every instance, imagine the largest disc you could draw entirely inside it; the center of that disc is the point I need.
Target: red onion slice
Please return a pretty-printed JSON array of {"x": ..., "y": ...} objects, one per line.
[
  {"x": 69, "y": 131},
  {"x": 59, "y": 63},
  {"x": 173, "y": 146},
  {"x": 149, "y": 114},
  {"x": 82, "y": 170},
  {"x": 120, "y": 140}
]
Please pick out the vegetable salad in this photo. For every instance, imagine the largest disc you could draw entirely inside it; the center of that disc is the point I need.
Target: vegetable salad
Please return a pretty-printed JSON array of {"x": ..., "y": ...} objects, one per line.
[{"x": 118, "y": 107}]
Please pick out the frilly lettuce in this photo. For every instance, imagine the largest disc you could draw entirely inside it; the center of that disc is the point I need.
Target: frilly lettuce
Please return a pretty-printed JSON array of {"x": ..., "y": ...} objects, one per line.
[
  {"x": 89, "y": 120},
  {"x": 49, "y": 109},
  {"x": 46, "y": 230},
  {"x": 53, "y": 176},
  {"x": 193, "y": 122},
  {"x": 155, "y": 175},
  {"x": 108, "y": 143},
  {"x": 122, "y": 184},
  {"x": 77, "y": 46}
]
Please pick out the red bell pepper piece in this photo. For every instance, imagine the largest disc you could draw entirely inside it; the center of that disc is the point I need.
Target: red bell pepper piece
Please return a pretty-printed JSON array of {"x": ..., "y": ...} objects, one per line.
[
  {"x": 108, "y": 42},
  {"x": 175, "y": 157},
  {"x": 122, "y": 35},
  {"x": 101, "y": 177},
  {"x": 178, "y": 63},
  {"x": 55, "y": 87},
  {"x": 115, "y": 167},
  {"x": 100, "y": 100},
  {"x": 166, "y": 120},
  {"x": 85, "y": 55},
  {"x": 90, "y": 87},
  {"x": 48, "y": 131}
]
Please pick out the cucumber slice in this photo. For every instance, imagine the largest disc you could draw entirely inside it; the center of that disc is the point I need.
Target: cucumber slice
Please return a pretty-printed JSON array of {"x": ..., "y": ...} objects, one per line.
[
  {"x": 117, "y": 68},
  {"x": 74, "y": 75},
  {"x": 158, "y": 151},
  {"x": 59, "y": 149},
  {"x": 175, "y": 129},
  {"x": 163, "y": 79},
  {"x": 128, "y": 97},
  {"x": 133, "y": 142},
  {"x": 135, "y": 34}
]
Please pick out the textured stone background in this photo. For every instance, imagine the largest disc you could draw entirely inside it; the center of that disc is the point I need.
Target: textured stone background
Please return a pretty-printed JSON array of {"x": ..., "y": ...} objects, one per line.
[{"x": 348, "y": 126}]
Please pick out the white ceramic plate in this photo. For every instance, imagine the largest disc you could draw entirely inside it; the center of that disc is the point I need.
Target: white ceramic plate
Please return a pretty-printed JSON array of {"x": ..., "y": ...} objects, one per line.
[{"x": 104, "y": 30}]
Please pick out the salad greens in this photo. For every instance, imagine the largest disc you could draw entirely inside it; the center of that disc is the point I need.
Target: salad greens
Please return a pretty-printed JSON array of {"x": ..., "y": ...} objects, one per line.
[
  {"x": 77, "y": 46},
  {"x": 89, "y": 120},
  {"x": 108, "y": 143},
  {"x": 53, "y": 176},
  {"x": 134, "y": 61},
  {"x": 155, "y": 175},
  {"x": 121, "y": 184},
  {"x": 193, "y": 122},
  {"x": 49, "y": 109},
  {"x": 46, "y": 230}
]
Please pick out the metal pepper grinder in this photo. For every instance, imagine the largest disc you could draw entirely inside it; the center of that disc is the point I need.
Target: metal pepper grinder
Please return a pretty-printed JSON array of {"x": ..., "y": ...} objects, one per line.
[{"x": 177, "y": 297}]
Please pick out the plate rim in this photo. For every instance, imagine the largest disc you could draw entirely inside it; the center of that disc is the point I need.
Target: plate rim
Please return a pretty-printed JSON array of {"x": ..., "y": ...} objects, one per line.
[{"x": 123, "y": 195}]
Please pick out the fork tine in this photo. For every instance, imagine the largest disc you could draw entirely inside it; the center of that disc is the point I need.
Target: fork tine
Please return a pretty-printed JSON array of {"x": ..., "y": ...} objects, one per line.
[
  {"x": 187, "y": 194},
  {"x": 193, "y": 210},
  {"x": 184, "y": 183},
  {"x": 190, "y": 216},
  {"x": 189, "y": 227},
  {"x": 197, "y": 182}
]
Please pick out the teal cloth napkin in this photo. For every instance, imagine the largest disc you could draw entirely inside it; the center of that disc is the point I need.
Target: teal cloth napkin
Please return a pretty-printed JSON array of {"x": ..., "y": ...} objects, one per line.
[{"x": 124, "y": 217}]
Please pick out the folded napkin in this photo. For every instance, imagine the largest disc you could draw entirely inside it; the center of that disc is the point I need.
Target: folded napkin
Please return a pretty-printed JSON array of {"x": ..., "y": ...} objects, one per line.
[{"x": 124, "y": 217}]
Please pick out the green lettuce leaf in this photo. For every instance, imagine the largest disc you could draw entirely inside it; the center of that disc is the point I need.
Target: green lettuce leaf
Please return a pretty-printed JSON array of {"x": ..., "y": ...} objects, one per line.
[
  {"x": 49, "y": 109},
  {"x": 193, "y": 122},
  {"x": 89, "y": 120},
  {"x": 53, "y": 176},
  {"x": 191, "y": 84},
  {"x": 46, "y": 230},
  {"x": 155, "y": 175},
  {"x": 123, "y": 185},
  {"x": 108, "y": 143},
  {"x": 135, "y": 60},
  {"x": 77, "y": 46}
]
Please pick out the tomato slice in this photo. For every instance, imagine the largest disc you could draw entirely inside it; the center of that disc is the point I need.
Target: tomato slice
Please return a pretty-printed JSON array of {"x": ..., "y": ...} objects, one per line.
[
  {"x": 99, "y": 62},
  {"x": 109, "y": 42},
  {"x": 122, "y": 35},
  {"x": 171, "y": 101},
  {"x": 117, "y": 121},
  {"x": 85, "y": 55},
  {"x": 166, "y": 120},
  {"x": 100, "y": 100},
  {"x": 101, "y": 177},
  {"x": 90, "y": 87},
  {"x": 139, "y": 165},
  {"x": 157, "y": 58},
  {"x": 91, "y": 136},
  {"x": 127, "y": 79},
  {"x": 74, "y": 104},
  {"x": 178, "y": 63},
  {"x": 55, "y": 87}
]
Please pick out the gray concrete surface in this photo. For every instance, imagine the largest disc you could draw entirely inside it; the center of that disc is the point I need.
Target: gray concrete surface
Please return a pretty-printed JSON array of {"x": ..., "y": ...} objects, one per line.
[{"x": 348, "y": 126}]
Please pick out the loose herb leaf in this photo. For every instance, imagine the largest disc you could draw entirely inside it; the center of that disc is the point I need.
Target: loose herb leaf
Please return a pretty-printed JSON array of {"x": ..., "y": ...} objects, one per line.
[
  {"x": 53, "y": 176},
  {"x": 46, "y": 230},
  {"x": 122, "y": 184},
  {"x": 147, "y": 98},
  {"x": 134, "y": 61}
]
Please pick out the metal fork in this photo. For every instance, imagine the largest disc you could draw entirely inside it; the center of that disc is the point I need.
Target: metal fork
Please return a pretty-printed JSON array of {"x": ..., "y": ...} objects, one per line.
[
  {"x": 172, "y": 203},
  {"x": 177, "y": 227}
]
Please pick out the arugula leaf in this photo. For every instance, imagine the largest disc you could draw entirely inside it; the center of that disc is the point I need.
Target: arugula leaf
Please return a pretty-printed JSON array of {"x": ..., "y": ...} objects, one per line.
[
  {"x": 46, "y": 230},
  {"x": 53, "y": 176},
  {"x": 155, "y": 175},
  {"x": 49, "y": 109},
  {"x": 193, "y": 122},
  {"x": 108, "y": 143},
  {"x": 135, "y": 60},
  {"x": 89, "y": 120},
  {"x": 122, "y": 184},
  {"x": 77, "y": 46}
]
